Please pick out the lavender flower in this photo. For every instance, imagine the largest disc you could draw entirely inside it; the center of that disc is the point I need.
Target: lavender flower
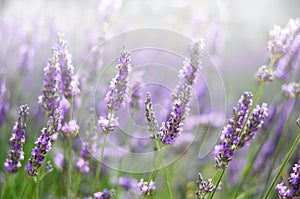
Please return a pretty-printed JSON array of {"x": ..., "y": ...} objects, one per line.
[
  {"x": 108, "y": 125},
  {"x": 230, "y": 135},
  {"x": 293, "y": 190},
  {"x": 70, "y": 128},
  {"x": 43, "y": 144},
  {"x": 4, "y": 103},
  {"x": 49, "y": 167},
  {"x": 265, "y": 74},
  {"x": 69, "y": 86},
  {"x": 118, "y": 85},
  {"x": 171, "y": 129},
  {"x": 128, "y": 183},
  {"x": 50, "y": 98},
  {"x": 146, "y": 188},
  {"x": 204, "y": 187},
  {"x": 83, "y": 162},
  {"x": 255, "y": 122},
  {"x": 106, "y": 194},
  {"x": 16, "y": 154},
  {"x": 151, "y": 120},
  {"x": 291, "y": 90}
]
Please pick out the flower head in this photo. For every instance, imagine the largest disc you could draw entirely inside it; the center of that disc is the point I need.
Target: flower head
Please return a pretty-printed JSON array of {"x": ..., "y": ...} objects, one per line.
[
  {"x": 106, "y": 194},
  {"x": 204, "y": 187},
  {"x": 151, "y": 120},
  {"x": 70, "y": 128},
  {"x": 16, "y": 154},
  {"x": 146, "y": 188},
  {"x": 291, "y": 90},
  {"x": 265, "y": 74}
]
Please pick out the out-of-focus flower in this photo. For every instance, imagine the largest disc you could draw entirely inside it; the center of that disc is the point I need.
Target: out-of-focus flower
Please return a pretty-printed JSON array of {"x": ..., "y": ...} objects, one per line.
[
  {"x": 128, "y": 183},
  {"x": 150, "y": 116},
  {"x": 293, "y": 189},
  {"x": 171, "y": 129},
  {"x": 70, "y": 128},
  {"x": 83, "y": 162},
  {"x": 291, "y": 90},
  {"x": 43, "y": 145},
  {"x": 265, "y": 74},
  {"x": 146, "y": 188},
  {"x": 4, "y": 102},
  {"x": 204, "y": 187},
  {"x": 59, "y": 160},
  {"x": 69, "y": 85},
  {"x": 16, "y": 154},
  {"x": 106, "y": 194},
  {"x": 108, "y": 125},
  {"x": 135, "y": 82},
  {"x": 49, "y": 167},
  {"x": 230, "y": 135},
  {"x": 50, "y": 98}
]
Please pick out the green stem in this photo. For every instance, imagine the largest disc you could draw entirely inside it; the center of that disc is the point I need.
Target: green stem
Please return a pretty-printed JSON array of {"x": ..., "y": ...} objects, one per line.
[
  {"x": 291, "y": 151},
  {"x": 280, "y": 144},
  {"x": 69, "y": 151},
  {"x": 217, "y": 183},
  {"x": 76, "y": 185},
  {"x": 98, "y": 172},
  {"x": 37, "y": 187},
  {"x": 24, "y": 189},
  {"x": 5, "y": 190}
]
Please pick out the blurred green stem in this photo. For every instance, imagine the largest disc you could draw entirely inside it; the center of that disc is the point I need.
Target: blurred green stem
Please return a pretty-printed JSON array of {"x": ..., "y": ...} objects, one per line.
[
  {"x": 5, "y": 190},
  {"x": 280, "y": 143},
  {"x": 69, "y": 152},
  {"x": 291, "y": 151}
]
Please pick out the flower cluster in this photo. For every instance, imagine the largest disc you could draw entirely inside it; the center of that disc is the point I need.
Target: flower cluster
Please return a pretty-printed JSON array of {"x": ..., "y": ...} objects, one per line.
[
  {"x": 106, "y": 194},
  {"x": 70, "y": 129},
  {"x": 83, "y": 162},
  {"x": 293, "y": 190},
  {"x": 265, "y": 74},
  {"x": 171, "y": 129},
  {"x": 255, "y": 122},
  {"x": 146, "y": 188},
  {"x": 43, "y": 144},
  {"x": 69, "y": 86},
  {"x": 4, "y": 105},
  {"x": 204, "y": 187},
  {"x": 230, "y": 135},
  {"x": 291, "y": 90},
  {"x": 128, "y": 183},
  {"x": 108, "y": 124},
  {"x": 17, "y": 140},
  {"x": 51, "y": 96}
]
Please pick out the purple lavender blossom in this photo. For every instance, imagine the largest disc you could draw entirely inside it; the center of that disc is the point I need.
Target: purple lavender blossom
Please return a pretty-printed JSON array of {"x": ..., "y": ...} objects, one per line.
[
  {"x": 230, "y": 135},
  {"x": 204, "y": 187},
  {"x": 49, "y": 167},
  {"x": 128, "y": 183},
  {"x": 43, "y": 144},
  {"x": 83, "y": 162},
  {"x": 254, "y": 123},
  {"x": 291, "y": 90},
  {"x": 118, "y": 86},
  {"x": 265, "y": 74},
  {"x": 171, "y": 129},
  {"x": 69, "y": 85},
  {"x": 49, "y": 101},
  {"x": 26, "y": 53},
  {"x": 146, "y": 188},
  {"x": 4, "y": 103},
  {"x": 16, "y": 154},
  {"x": 108, "y": 124},
  {"x": 150, "y": 116},
  {"x": 293, "y": 189},
  {"x": 106, "y": 194},
  {"x": 70, "y": 128}
]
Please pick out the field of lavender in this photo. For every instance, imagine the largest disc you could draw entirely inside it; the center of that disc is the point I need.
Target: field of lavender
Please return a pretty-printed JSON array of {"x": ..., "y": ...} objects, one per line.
[{"x": 119, "y": 99}]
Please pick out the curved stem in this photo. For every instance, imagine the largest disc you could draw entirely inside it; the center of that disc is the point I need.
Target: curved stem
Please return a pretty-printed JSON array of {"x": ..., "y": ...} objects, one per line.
[
  {"x": 217, "y": 183},
  {"x": 291, "y": 151}
]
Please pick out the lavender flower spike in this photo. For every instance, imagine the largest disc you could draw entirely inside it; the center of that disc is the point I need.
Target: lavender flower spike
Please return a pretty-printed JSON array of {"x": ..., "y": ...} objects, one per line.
[
  {"x": 17, "y": 140},
  {"x": 49, "y": 101},
  {"x": 43, "y": 144},
  {"x": 229, "y": 138},
  {"x": 255, "y": 122},
  {"x": 118, "y": 85},
  {"x": 69, "y": 85},
  {"x": 151, "y": 120},
  {"x": 204, "y": 187},
  {"x": 293, "y": 190},
  {"x": 146, "y": 188},
  {"x": 171, "y": 129}
]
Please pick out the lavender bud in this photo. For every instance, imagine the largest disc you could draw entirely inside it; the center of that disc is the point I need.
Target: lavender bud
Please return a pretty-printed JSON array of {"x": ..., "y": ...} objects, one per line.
[
  {"x": 128, "y": 183},
  {"x": 150, "y": 116},
  {"x": 49, "y": 167},
  {"x": 255, "y": 122},
  {"x": 69, "y": 86},
  {"x": 43, "y": 145},
  {"x": 108, "y": 125},
  {"x": 204, "y": 187},
  {"x": 146, "y": 188},
  {"x": 16, "y": 154},
  {"x": 49, "y": 101},
  {"x": 230, "y": 135},
  {"x": 265, "y": 74},
  {"x": 118, "y": 86}
]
